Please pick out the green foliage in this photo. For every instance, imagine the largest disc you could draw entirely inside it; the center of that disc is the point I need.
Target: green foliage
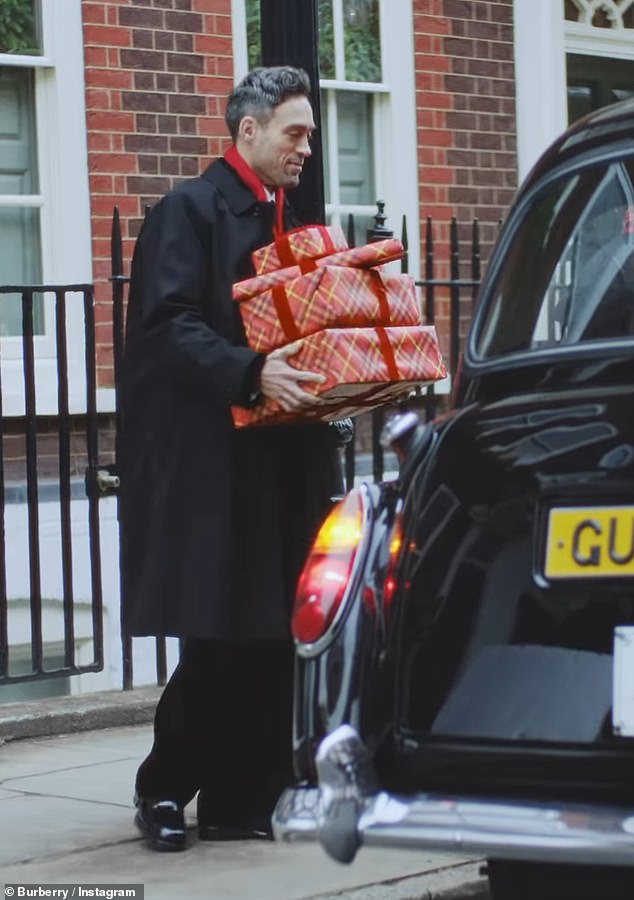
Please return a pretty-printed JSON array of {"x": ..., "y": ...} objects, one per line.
[
  {"x": 326, "y": 40},
  {"x": 362, "y": 42},
  {"x": 254, "y": 48},
  {"x": 17, "y": 27},
  {"x": 362, "y": 53}
]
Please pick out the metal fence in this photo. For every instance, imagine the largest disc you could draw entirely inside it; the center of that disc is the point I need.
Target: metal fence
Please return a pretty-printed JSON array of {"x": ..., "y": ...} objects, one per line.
[
  {"x": 364, "y": 456},
  {"x": 27, "y": 611}
]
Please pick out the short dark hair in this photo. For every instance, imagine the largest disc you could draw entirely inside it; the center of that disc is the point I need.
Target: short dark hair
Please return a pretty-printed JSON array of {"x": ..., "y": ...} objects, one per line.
[{"x": 261, "y": 90}]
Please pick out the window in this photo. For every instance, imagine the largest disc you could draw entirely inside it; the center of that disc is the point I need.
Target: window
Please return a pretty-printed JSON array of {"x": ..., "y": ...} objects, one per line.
[
  {"x": 20, "y": 201},
  {"x": 368, "y": 126},
  {"x": 571, "y": 56},
  {"x": 577, "y": 240},
  {"x": 44, "y": 200},
  {"x": 599, "y": 54},
  {"x": 352, "y": 95}
]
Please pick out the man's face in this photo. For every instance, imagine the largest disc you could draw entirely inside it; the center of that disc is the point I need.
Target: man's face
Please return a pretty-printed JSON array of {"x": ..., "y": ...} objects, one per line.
[{"x": 276, "y": 150}]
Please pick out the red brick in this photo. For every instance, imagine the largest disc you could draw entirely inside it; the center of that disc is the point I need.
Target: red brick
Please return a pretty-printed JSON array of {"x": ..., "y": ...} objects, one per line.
[
  {"x": 93, "y": 13},
  {"x": 184, "y": 21},
  {"x": 109, "y": 78},
  {"x": 101, "y": 184},
  {"x": 184, "y": 62},
  {"x": 112, "y": 162},
  {"x": 99, "y": 141},
  {"x": 213, "y": 46},
  {"x": 108, "y": 121},
  {"x": 95, "y": 56},
  {"x": 97, "y": 99},
  {"x": 106, "y": 36},
  {"x": 142, "y": 18},
  {"x": 212, "y": 6}
]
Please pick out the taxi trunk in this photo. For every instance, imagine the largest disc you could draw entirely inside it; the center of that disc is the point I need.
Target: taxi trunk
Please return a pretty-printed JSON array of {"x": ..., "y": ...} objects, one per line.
[{"x": 515, "y": 638}]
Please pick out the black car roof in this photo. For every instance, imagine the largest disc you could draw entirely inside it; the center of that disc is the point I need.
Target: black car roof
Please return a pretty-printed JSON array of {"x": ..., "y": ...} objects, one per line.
[{"x": 606, "y": 125}]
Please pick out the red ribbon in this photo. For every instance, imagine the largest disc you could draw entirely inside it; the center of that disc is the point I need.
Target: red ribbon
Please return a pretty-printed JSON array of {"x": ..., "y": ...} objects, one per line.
[
  {"x": 284, "y": 314},
  {"x": 388, "y": 354},
  {"x": 287, "y": 255},
  {"x": 381, "y": 295}
]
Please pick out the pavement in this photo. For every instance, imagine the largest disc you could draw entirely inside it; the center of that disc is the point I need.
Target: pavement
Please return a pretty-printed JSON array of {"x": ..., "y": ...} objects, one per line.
[{"x": 66, "y": 818}]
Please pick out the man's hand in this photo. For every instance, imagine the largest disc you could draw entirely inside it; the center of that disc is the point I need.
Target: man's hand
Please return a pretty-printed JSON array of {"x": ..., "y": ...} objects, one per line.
[{"x": 281, "y": 382}]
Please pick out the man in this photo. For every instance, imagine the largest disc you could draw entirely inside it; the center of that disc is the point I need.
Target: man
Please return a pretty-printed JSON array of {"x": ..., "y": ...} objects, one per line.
[{"x": 216, "y": 522}]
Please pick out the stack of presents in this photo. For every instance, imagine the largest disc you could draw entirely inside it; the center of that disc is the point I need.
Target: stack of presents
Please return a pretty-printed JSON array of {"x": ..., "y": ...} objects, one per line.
[{"x": 351, "y": 320}]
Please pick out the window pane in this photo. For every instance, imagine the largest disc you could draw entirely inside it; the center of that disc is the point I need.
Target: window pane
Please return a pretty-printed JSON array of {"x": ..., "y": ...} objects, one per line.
[
  {"x": 356, "y": 157},
  {"x": 19, "y": 265},
  {"x": 19, "y": 225},
  {"x": 18, "y": 159},
  {"x": 362, "y": 40},
  {"x": 596, "y": 81},
  {"x": 19, "y": 27},
  {"x": 326, "y": 40},
  {"x": 577, "y": 240},
  {"x": 254, "y": 32}
]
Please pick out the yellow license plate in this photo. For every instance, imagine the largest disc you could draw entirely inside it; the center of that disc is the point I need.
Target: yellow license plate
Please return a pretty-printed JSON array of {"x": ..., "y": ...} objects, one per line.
[{"x": 591, "y": 541}]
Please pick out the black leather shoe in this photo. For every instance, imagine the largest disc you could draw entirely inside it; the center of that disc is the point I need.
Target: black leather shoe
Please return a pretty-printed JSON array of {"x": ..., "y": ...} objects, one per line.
[{"x": 161, "y": 822}]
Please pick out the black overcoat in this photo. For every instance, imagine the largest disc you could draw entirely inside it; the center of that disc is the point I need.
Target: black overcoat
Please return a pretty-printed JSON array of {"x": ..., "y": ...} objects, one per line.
[{"x": 215, "y": 521}]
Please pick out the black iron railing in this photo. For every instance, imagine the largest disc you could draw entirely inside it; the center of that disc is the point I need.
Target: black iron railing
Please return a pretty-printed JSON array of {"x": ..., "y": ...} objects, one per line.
[{"x": 26, "y": 613}]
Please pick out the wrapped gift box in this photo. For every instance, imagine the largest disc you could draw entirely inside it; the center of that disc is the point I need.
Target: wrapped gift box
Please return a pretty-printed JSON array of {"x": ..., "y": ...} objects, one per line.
[
  {"x": 328, "y": 297},
  {"x": 363, "y": 368},
  {"x": 307, "y": 242},
  {"x": 365, "y": 257}
]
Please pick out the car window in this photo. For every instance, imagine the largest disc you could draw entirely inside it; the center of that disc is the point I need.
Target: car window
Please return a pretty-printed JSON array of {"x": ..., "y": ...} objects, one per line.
[{"x": 568, "y": 274}]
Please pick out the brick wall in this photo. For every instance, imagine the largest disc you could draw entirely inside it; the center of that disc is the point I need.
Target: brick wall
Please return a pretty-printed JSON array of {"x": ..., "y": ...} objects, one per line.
[
  {"x": 157, "y": 74},
  {"x": 465, "y": 90}
]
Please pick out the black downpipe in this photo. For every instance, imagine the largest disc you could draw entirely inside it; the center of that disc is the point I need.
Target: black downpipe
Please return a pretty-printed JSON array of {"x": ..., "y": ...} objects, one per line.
[{"x": 289, "y": 34}]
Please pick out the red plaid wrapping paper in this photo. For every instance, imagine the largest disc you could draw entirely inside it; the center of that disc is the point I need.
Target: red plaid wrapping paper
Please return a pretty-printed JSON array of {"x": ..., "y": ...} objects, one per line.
[
  {"x": 365, "y": 257},
  {"x": 307, "y": 242},
  {"x": 363, "y": 367},
  {"x": 329, "y": 297}
]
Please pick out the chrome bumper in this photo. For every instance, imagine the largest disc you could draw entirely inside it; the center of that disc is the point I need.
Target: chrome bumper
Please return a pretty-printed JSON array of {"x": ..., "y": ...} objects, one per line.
[{"x": 347, "y": 811}]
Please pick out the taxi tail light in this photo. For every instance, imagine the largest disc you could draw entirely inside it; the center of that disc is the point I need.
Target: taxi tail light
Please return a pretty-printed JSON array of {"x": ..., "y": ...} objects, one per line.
[
  {"x": 327, "y": 571},
  {"x": 396, "y": 545}
]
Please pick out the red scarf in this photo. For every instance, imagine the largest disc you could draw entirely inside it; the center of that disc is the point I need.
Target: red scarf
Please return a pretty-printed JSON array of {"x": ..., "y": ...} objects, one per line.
[{"x": 238, "y": 163}]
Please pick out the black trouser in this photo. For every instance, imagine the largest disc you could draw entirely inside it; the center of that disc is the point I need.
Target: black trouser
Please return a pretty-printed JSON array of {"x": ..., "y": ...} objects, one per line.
[{"x": 223, "y": 726}]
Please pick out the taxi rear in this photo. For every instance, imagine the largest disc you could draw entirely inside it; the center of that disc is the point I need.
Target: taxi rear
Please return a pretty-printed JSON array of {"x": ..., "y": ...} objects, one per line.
[
  {"x": 515, "y": 640},
  {"x": 508, "y": 650}
]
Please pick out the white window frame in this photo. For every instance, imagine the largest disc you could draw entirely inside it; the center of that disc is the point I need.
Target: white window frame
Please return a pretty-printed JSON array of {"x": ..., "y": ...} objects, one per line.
[
  {"x": 540, "y": 78},
  {"x": 395, "y": 151},
  {"x": 543, "y": 37},
  {"x": 64, "y": 204}
]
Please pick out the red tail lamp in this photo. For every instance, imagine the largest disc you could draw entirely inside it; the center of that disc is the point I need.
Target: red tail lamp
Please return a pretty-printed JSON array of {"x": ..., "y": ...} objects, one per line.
[
  {"x": 327, "y": 571},
  {"x": 396, "y": 544}
]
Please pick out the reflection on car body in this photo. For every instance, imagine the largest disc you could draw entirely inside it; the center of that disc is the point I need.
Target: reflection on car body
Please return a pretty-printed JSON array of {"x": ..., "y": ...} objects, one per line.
[{"x": 465, "y": 634}]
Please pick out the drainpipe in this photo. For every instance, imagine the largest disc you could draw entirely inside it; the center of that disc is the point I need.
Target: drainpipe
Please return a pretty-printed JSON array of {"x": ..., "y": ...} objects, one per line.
[{"x": 289, "y": 36}]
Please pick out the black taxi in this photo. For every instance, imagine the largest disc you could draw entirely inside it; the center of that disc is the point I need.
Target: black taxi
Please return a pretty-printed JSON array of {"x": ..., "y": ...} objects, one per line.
[{"x": 465, "y": 632}]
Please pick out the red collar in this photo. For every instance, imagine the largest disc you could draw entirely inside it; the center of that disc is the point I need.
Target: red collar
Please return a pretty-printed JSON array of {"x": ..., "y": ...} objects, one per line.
[{"x": 241, "y": 167}]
